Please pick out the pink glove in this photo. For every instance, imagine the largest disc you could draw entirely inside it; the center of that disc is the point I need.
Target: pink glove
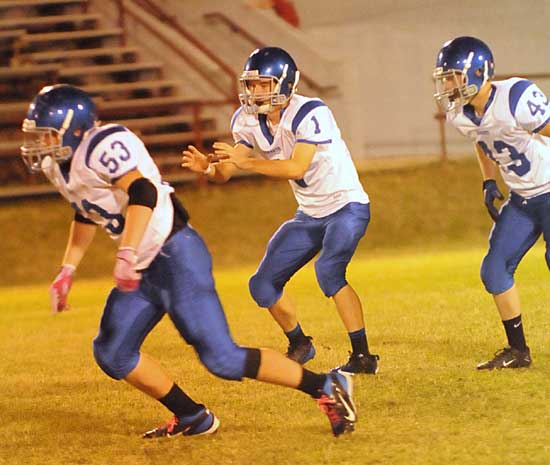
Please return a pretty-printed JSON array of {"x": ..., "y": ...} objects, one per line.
[
  {"x": 59, "y": 289},
  {"x": 126, "y": 277}
]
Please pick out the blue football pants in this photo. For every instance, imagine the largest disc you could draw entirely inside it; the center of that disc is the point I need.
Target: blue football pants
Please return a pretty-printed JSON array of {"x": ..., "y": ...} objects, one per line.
[
  {"x": 298, "y": 240},
  {"x": 178, "y": 282},
  {"x": 520, "y": 224}
]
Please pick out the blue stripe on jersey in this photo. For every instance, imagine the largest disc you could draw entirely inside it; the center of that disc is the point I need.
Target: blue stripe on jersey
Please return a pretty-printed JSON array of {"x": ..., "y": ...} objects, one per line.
[
  {"x": 318, "y": 142},
  {"x": 303, "y": 111},
  {"x": 234, "y": 118},
  {"x": 250, "y": 146},
  {"x": 99, "y": 137},
  {"x": 542, "y": 125},
  {"x": 265, "y": 130},
  {"x": 516, "y": 91}
]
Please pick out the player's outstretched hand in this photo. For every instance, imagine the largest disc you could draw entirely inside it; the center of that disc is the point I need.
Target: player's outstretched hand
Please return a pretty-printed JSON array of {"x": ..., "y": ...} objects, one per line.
[
  {"x": 194, "y": 160},
  {"x": 59, "y": 289},
  {"x": 126, "y": 277},
  {"x": 490, "y": 193}
]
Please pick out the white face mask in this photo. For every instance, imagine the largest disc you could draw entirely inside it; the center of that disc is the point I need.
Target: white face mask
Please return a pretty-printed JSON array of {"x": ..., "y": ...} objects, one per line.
[
  {"x": 39, "y": 143},
  {"x": 266, "y": 101},
  {"x": 452, "y": 91}
]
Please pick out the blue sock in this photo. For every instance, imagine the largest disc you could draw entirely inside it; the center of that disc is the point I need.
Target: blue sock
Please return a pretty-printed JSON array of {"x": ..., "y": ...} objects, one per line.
[
  {"x": 296, "y": 336},
  {"x": 358, "y": 340},
  {"x": 514, "y": 333},
  {"x": 179, "y": 403}
]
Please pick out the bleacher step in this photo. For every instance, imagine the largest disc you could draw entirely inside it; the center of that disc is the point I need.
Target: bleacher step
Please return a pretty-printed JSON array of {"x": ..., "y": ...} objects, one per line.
[
  {"x": 9, "y": 4},
  {"x": 109, "y": 69},
  {"x": 33, "y": 23},
  {"x": 62, "y": 55},
  {"x": 44, "y": 38}
]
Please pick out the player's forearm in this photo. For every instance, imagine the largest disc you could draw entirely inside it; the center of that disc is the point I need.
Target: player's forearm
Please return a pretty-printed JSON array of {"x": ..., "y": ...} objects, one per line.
[
  {"x": 81, "y": 236},
  {"x": 136, "y": 222},
  {"x": 286, "y": 169}
]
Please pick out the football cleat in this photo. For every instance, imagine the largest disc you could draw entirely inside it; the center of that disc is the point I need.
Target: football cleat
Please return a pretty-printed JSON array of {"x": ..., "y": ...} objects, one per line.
[
  {"x": 509, "y": 357},
  {"x": 336, "y": 402},
  {"x": 360, "y": 363},
  {"x": 203, "y": 422},
  {"x": 301, "y": 353}
]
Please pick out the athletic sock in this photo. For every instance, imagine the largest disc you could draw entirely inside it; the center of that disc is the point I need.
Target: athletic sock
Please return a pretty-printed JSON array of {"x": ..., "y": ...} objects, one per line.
[
  {"x": 358, "y": 340},
  {"x": 312, "y": 383},
  {"x": 514, "y": 333},
  {"x": 179, "y": 403},
  {"x": 296, "y": 336}
]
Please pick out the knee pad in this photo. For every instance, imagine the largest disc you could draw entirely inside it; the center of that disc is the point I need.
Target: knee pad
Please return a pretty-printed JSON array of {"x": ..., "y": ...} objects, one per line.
[
  {"x": 330, "y": 278},
  {"x": 263, "y": 291},
  {"x": 228, "y": 364},
  {"x": 497, "y": 277},
  {"x": 115, "y": 362}
]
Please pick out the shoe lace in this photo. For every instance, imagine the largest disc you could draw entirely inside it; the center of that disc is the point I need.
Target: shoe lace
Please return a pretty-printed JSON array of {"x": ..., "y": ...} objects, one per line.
[
  {"x": 327, "y": 404},
  {"x": 499, "y": 354}
]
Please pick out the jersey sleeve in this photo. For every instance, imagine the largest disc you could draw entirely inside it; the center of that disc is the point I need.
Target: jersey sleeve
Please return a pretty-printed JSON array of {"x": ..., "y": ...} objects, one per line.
[
  {"x": 529, "y": 106},
  {"x": 316, "y": 126},
  {"x": 239, "y": 130},
  {"x": 112, "y": 154}
]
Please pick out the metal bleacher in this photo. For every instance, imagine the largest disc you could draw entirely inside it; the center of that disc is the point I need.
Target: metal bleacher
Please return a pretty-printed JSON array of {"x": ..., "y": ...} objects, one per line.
[{"x": 57, "y": 41}]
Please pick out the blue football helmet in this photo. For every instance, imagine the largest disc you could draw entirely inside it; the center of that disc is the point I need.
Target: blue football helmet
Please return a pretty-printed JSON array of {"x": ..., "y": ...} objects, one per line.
[
  {"x": 60, "y": 114},
  {"x": 270, "y": 65},
  {"x": 463, "y": 66}
]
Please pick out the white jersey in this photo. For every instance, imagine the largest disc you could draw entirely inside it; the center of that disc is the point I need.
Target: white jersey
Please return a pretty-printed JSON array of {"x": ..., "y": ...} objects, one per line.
[
  {"x": 105, "y": 154},
  {"x": 507, "y": 133},
  {"x": 331, "y": 180}
]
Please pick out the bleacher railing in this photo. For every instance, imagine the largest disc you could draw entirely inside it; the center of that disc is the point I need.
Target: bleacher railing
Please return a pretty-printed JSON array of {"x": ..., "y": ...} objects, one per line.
[{"x": 255, "y": 42}]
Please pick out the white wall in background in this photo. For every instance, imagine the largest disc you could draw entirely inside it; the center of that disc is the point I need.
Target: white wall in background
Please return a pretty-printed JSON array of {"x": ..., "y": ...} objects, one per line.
[{"x": 391, "y": 47}]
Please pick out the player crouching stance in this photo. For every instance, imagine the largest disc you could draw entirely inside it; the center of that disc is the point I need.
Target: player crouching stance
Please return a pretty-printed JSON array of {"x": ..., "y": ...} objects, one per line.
[
  {"x": 506, "y": 120},
  {"x": 162, "y": 265},
  {"x": 297, "y": 138}
]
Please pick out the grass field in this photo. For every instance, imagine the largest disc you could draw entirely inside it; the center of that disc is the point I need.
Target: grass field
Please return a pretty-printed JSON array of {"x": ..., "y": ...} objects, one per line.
[{"x": 428, "y": 318}]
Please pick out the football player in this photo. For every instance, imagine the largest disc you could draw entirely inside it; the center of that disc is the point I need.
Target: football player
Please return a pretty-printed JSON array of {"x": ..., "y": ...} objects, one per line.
[
  {"x": 508, "y": 123},
  {"x": 162, "y": 265},
  {"x": 298, "y": 139}
]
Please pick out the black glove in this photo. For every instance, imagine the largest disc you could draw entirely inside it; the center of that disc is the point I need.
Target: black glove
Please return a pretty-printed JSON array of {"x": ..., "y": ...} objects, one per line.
[{"x": 490, "y": 193}]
